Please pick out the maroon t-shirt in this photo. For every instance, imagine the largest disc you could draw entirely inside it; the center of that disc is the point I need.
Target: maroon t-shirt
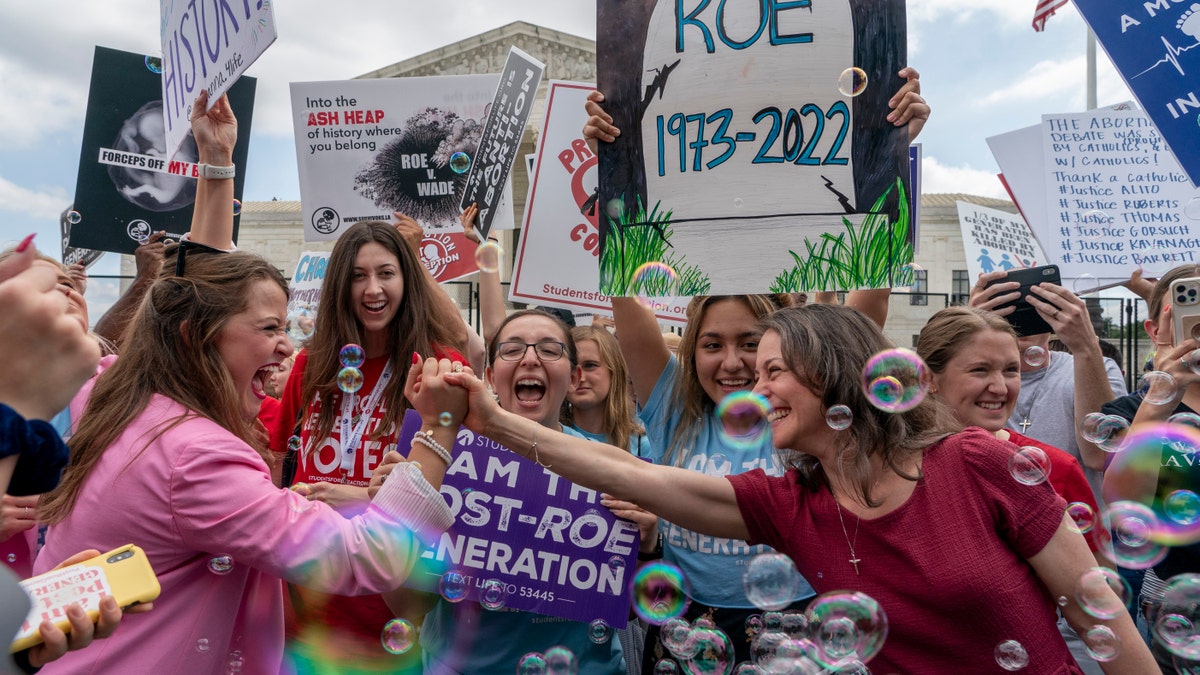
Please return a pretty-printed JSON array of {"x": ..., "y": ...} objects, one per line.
[{"x": 948, "y": 566}]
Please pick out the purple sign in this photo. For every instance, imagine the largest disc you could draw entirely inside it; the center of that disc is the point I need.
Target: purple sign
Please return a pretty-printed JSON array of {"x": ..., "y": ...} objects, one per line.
[{"x": 551, "y": 544}]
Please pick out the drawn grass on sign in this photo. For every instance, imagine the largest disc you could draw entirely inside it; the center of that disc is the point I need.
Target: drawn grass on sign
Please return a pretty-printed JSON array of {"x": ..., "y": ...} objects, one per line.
[
  {"x": 875, "y": 254},
  {"x": 640, "y": 239}
]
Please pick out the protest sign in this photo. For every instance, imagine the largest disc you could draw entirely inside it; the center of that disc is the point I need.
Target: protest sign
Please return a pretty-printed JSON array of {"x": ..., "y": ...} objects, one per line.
[
  {"x": 366, "y": 148},
  {"x": 996, "y": 240},
  {"x": 1153, "y": 45},
  {"x": 304, "y": 291},
  {"x": 1117, "y": 199},
  {"x": 915, "y": 155},
  {"x": 70, "y": 254},
  {"x": 548, "y": 541},
  {"x": 206, "y": 46},
  {"x": 128, "y": 186},
  {"x": 754, "y": 152},
  {"x": 502, "y": 134},
  {"x": 448, "y": 255},
  {"x": 557, "y": 264}
]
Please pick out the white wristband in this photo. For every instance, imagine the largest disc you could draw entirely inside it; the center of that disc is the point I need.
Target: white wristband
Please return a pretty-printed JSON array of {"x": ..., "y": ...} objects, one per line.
[{"x": 217, "y": 172}]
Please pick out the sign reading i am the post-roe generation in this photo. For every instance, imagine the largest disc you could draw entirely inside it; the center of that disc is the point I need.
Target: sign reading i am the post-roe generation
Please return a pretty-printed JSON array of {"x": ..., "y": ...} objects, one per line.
[{"x": 754, "y": 153}]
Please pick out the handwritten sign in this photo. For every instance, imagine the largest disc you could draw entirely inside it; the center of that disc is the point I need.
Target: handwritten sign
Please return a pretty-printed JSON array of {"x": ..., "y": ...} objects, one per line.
[
  {"x": 128, "y": 185},
  {"x": 1117, "y": 199},
  {"x": 366, "y": 148},
  {"x": 551, "y": 545},
  {"x": 557, "y": 264},
  {"x": 207, "y": 46},
  {"x": 502, "y": 134},
  {"x": 735, "y": 181},
  {"x": 1154, "y": 46},
  {"x": 996, "y": 240}
]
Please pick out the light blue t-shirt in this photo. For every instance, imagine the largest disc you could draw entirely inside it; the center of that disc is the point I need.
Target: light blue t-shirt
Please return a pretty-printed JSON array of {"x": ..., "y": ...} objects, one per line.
[
  {"x": 639, "y": 444},
  {"x": 465, "y": 638},
  {"x": 713, "y": 566}
]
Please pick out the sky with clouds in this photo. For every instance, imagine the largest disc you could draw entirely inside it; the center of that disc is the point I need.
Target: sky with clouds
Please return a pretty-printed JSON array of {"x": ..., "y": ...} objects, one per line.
[{"x": 983, "y": 69}]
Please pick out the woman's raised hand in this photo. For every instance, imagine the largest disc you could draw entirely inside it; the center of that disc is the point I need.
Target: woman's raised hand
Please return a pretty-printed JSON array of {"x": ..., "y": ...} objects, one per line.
[{"x": 432, "y": 395}]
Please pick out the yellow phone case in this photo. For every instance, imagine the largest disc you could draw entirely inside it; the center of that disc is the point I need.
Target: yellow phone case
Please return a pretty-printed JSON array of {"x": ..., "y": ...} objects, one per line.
[{"x": 124, "y": 573}]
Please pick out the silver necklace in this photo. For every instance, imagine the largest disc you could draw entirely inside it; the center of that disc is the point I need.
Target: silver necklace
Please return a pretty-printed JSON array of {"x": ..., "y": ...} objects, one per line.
[
  {"x": 1025, "y": 423},
  {"x": 854, "y": 559}
]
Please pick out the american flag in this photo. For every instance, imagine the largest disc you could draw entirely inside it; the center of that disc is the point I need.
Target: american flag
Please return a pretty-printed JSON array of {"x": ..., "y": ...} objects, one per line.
[{"x": 1045, "y": 9}]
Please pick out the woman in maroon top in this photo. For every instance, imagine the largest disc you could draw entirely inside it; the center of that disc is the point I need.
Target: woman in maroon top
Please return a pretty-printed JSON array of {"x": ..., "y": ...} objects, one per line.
[{"x": 960, "y": 556}]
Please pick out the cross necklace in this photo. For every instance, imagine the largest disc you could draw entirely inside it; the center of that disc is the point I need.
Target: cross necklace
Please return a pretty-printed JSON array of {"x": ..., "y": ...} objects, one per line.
[
  {"x": 854, "y": 559},
  {"x": 1025, "y": 423}
]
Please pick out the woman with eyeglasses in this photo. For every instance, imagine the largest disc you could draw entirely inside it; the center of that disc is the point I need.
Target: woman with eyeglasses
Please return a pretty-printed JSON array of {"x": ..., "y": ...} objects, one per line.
[
  {"x": 532, "y": 367},
  {"x": 161, "y": 457}
]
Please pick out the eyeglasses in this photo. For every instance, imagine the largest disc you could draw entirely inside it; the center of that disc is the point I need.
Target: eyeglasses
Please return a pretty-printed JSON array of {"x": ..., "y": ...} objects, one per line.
[
  {"x": 545, "y": 351},
  {"x": 186, "y": 245}
]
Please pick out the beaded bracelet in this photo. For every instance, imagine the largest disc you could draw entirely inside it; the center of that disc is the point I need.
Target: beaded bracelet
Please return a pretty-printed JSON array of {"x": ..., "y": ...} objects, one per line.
[{"x": 425, "y": 438}]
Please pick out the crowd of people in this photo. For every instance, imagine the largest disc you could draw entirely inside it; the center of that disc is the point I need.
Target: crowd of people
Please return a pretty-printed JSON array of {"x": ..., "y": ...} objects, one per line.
[{"x": 285, "y": 525}]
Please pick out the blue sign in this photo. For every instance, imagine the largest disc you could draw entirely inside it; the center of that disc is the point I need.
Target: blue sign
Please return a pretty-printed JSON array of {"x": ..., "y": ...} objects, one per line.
[{"x": 1156, "y": 47}]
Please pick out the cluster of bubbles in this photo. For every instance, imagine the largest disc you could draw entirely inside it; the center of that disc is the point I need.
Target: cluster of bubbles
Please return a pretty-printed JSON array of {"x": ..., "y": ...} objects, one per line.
[
  {"x": 653, "y": 281},
  {"x": 1030, "y": 465},
  {"x": 1175, "y": 628},
  {"x": 398, "y": 636},
  {"x": 460, "y": 163},
  {"x": 744, "y": 419},
  {"x": 660, "y": 592},
  {"x": 301, "y": 323},
  {"x": 1143, "y": 533},
  {"x": 1106, "y": 432},
  {"x": 221, "y": 564},
  {"x": 771, "y": 581},
  {"x": 350, "y": 378},
  {"x": 556, "y": 660},
  {"x": 852, "y": 81},
  {"x": 896, "y": 380},
  {"x": 487, "y": 256}
]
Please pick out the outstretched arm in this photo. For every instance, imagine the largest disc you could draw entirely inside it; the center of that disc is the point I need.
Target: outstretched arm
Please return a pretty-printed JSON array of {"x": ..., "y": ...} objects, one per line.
[
  {"x": 215, "y": 132},
  {"x": 445, "y": 311},
  {"x": 688, "y": 498},
  {"x": 149, "y": 259},
  {"x": 491, "y": 295}
]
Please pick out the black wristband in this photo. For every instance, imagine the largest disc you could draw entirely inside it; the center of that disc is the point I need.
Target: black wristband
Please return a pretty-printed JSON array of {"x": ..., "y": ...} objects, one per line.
[{"x": 656, "y": 554}]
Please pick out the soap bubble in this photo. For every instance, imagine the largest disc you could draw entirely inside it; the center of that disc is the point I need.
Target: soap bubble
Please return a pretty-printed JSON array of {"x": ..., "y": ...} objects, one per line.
[
  {"x": 445, "y": 419},
  {"x": 654, "y": 281},
  {"x": 74, "y": 217},
  {"x": 1186, "y": 419},
  {"x": 561, "y": 661},
  {"x": 350, "y": 380},
  {"x": 1102, "y": 592},
  {"x": 846, "y": 626},
  {"x": 743, "y": 417},
  {"x": 1174, "y": 520},
  {"x": 493, "y": 594},
  {"x": 771, "y": 581},
  {"x": 599, "y": 632},
  {"x": 852, "y": 81},
  {"x": 1131, "y": 524},
  {"x": 1011, "y": 655},
  {"x": 674, "y": 636},
  {"x": 1102, "y": 643},
  {"x": 1183, "y": 507},
  {"x": 839, "y": 417},
  {"x": 460, "y": 162},
  {"x": 712, "y": 654},
  {"x": 154, "y": 65},
  {"x": 1157, "y": 387},
  {"x": 533, "y": 663},
  {"x": 1036, "y": 356},
  {"x": 895, "y": 380},
  {"x": 301, "y": 323},
  {"x": 352, "y": 356},
  {"x": 1030, "y": 465},
  {"x": 1083, "y": 517},
  {"x": 398, "y": 636},
  {"x": 659, "y": 592},
  {"x": 666, "y": 667},
  {"x": 1192, "y": 208},
  {"x": 237, "y": 207},
  {"x": 487, "y": 256},
  {"x": 294, "y": 444},
  {"x": 453, "y": 587},
  {"x": 1175, "y": 627},
  {"x": 909, "y": 276},
  {"x": 1085, "y": 283},
  {"x": 221, "y": 564}
]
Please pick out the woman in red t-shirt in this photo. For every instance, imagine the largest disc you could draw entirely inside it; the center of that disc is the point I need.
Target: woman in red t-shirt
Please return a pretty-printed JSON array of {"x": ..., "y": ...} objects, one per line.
[{"x": 379, "y": 296}]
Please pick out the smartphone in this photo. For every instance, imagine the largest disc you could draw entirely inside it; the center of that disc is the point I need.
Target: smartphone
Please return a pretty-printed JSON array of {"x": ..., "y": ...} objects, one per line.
[
  {"x": 123, "y": 573},
  {"x": 1185, "y": 309},
  {"x": 1024, "y": 318}
]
